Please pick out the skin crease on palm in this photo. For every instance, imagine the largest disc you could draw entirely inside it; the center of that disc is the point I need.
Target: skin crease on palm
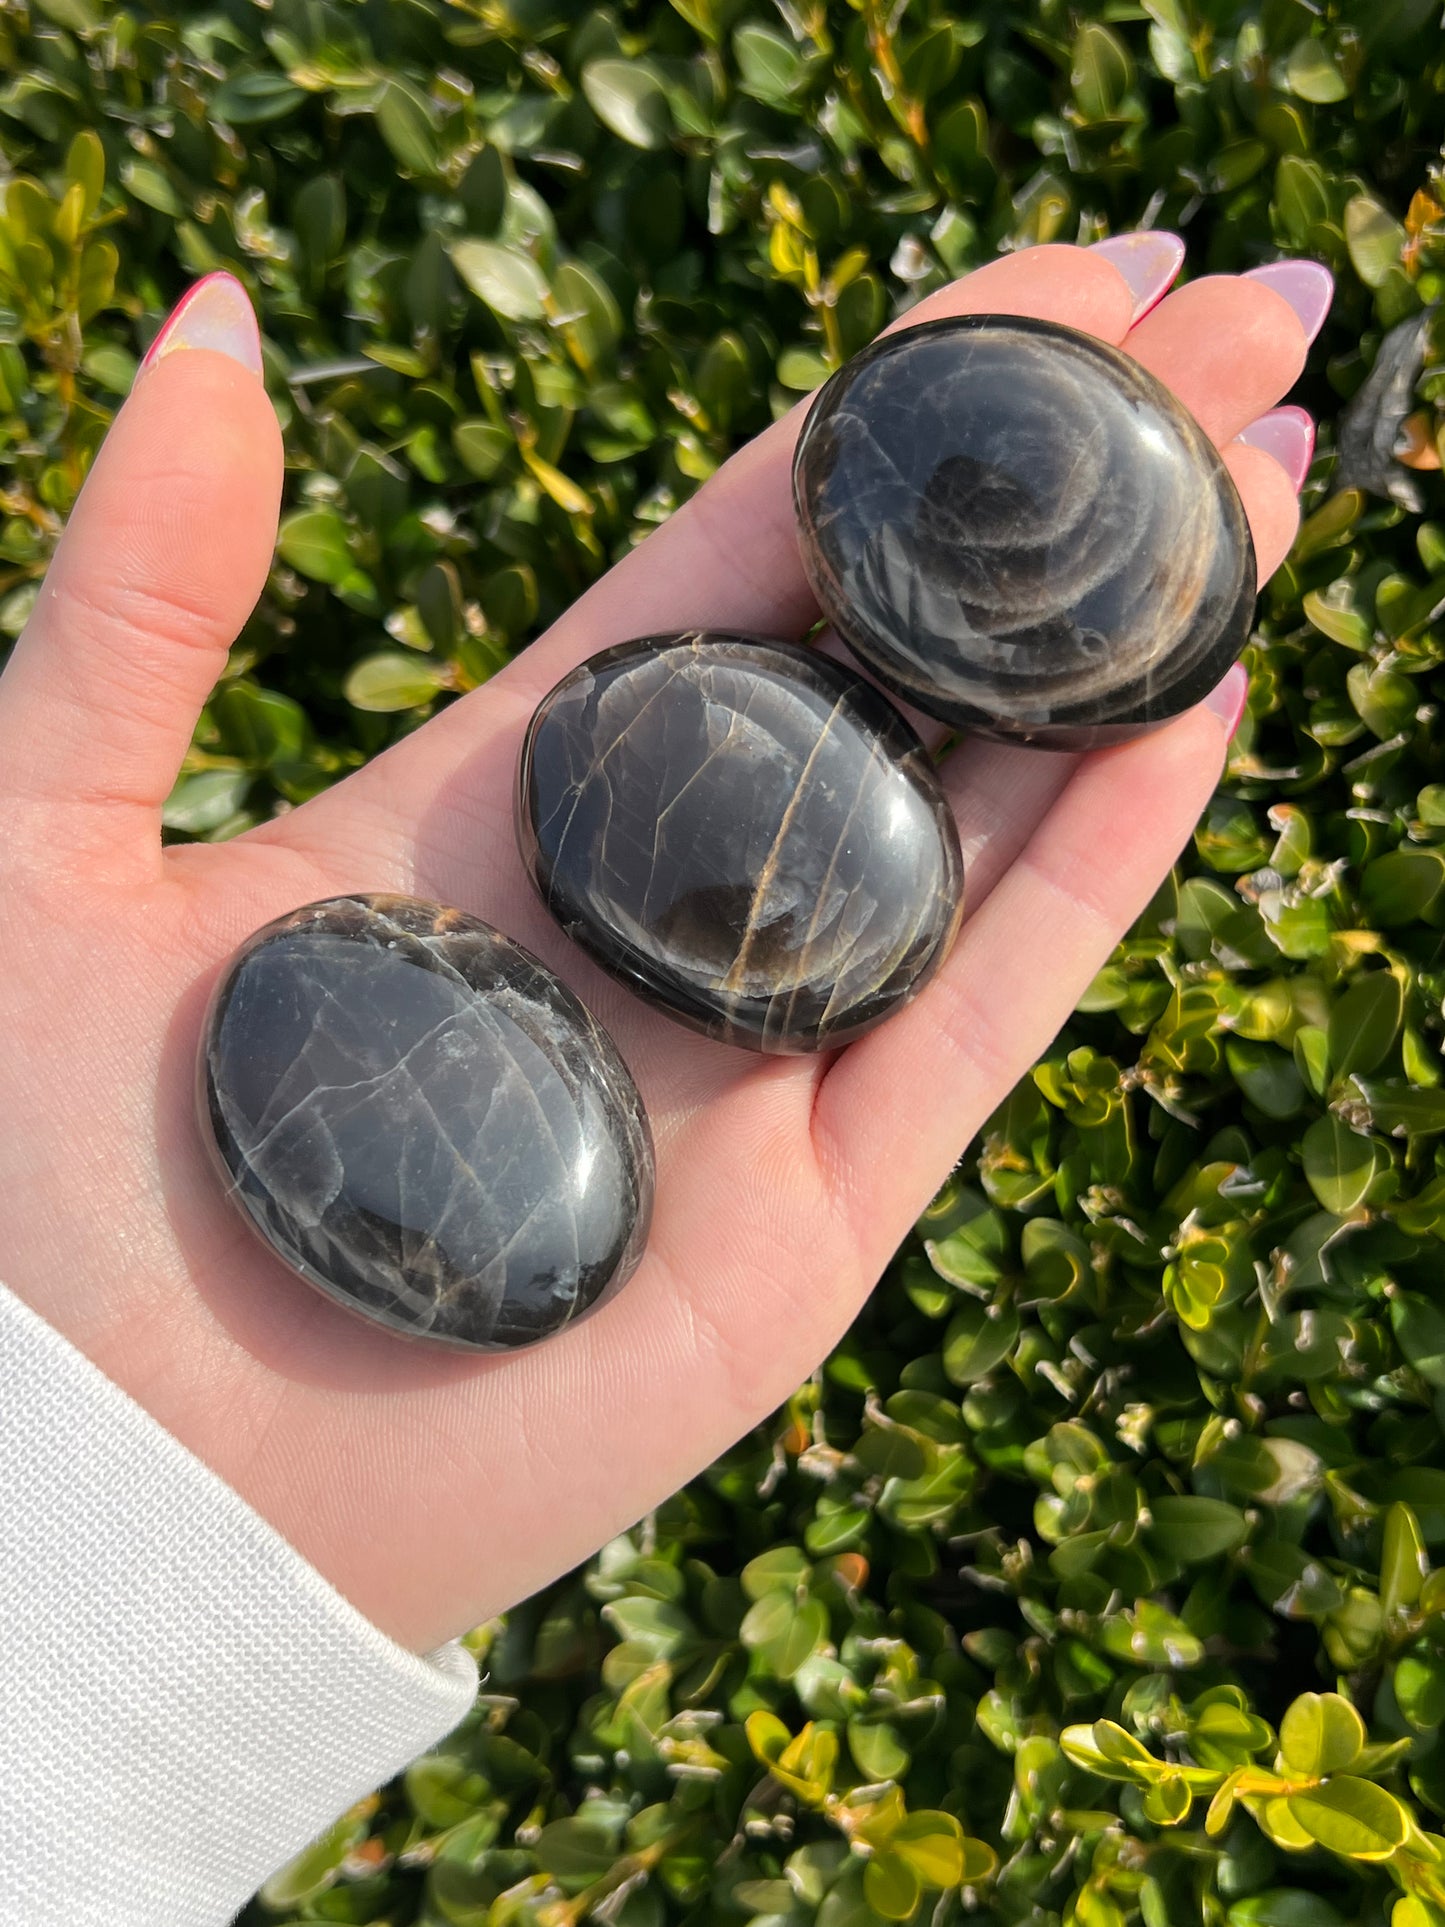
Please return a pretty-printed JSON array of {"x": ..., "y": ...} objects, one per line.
[{"x": 433, "y": 1488}]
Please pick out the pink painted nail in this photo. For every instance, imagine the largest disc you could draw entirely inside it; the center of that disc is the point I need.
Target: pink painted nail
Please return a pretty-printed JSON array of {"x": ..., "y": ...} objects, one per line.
[
  {"x": 1148, "y": 261},
  {"x": 1227, "y": 698},
  {"x": 215, "y": 313},
  {"x": 1306, "y": 285},
  {"x": 1288, "y": 434}
]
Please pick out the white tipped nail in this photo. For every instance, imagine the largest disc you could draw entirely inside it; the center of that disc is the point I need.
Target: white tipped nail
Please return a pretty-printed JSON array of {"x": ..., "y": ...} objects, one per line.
[{"x": 1148, "y": 261}]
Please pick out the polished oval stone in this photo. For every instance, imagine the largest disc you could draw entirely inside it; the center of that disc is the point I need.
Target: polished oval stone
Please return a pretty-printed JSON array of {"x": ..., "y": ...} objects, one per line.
[
  {"x": 744, "y": 832},
  {"x": 423, "y": 1122},
  {"x": 1021, "y": 531}
]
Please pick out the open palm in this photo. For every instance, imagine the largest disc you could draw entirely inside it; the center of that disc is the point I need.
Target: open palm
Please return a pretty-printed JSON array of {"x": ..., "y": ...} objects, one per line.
[{"x": 433, "y": 1488}]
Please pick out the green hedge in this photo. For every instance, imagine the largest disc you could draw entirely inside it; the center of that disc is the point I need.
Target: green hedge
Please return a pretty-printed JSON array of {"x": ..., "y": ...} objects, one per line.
[{"x": 1117, "y": 1508}]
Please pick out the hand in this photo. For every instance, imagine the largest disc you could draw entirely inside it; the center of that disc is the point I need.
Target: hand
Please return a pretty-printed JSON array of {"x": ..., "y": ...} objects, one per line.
[{"x": 434, "y": 1488}]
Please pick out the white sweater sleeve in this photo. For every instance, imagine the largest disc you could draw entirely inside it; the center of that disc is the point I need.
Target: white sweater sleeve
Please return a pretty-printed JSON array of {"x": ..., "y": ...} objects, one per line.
[{"x": 184, "y": 1701}]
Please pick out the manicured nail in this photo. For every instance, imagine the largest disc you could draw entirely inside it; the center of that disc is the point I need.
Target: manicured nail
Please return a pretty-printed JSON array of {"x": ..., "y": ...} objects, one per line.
[
  {"x": 1306, "y": 285},
  {"x": 1148, "y": 261},
  {"x": 1227, "y": 699},
  {"x": 215, "y": 313},
  {"x": 1288, "y": 434}
]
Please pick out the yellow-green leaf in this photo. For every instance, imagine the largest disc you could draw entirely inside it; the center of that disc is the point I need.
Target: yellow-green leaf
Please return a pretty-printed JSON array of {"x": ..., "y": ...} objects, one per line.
[
  {"x": 1352, "y": 1817},
  {"x": 890, "y": 1886},
  {"x": 507, "y": 280},
  {"x": 390, "y": 680},
  {"x": 1320, "y": 1733},
  {"x": 932, "y": 1844}
]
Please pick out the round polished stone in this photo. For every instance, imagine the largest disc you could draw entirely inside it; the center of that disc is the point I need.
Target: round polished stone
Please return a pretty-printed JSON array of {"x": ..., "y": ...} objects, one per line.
[
  {"x": 423, "y": 1122},
  {"x": 1022, "y": 532},
  {"x": 746, "y": 834}
]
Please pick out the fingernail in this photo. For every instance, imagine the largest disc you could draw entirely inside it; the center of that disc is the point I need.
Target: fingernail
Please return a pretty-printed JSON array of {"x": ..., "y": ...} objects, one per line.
[
  {"x": 215, "y": 313},
  {"x": 1288, "y": 434},
  {"x": 1227, "y": 699},
  {"x": 1307, "y": 286},
  {"x": 1148, "y": 261}
]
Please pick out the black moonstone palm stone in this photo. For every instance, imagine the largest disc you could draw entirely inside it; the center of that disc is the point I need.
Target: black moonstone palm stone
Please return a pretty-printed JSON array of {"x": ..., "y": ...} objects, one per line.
[
  {"x": 424, "y": 1123},
  {"x": 745, "y": 833},
  {"x": 1022, "y": 532}
]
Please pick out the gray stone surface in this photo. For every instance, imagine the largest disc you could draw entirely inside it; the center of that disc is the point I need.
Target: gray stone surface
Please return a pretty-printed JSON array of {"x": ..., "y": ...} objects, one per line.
[
  {"x": 423, "y": 1122},
  {"x": 1022, "y": 532},
  {"x": 745, "y": 833}
]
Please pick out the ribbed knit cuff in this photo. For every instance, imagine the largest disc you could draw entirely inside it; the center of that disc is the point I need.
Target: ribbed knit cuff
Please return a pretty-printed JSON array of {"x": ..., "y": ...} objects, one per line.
[{"x": 187, "y": 1701}]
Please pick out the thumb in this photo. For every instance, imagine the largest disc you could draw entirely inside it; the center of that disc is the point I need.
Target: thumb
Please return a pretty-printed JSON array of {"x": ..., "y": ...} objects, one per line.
[{"x": 162, "y": 561}]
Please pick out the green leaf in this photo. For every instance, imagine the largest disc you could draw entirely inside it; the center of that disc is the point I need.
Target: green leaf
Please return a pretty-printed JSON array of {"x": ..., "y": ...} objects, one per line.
[
  {"x": 575, "y": 1852},
  {"x": 1339, "y": 1165},
  {"x": 628, "y": 96},
  {"x": 391, "y": 680},
  {"x": 1312, "y": 1057},
  {"x": 1403, "y": 1564},
  {"x": 1365, "y": 1022},
  {"x": 80, "y": 16},
  {"x": 1285, "y": 1907},
  {"x": 1400, "y": 887},
  {"x": 85, "y": 165},
  {"x": 1096, "y": 1907},
  {"x": 767, "y": 1736},
  {"x": 483, "y": 191},
  {"x": 1376, "y": 240},
  {"x": 587, "y": 314},
  {"x": 151, "y": 184},
  {"x": 316, "y": 542},
  {"x": 508, "y": 281},
  {"x": 1321, "y": 1733},
  {"x": 1411, "y": 1911},
  {"x": 979, "y": 1337},
  {"x": 482, "y": 447},
  {"x": 1419, "y": 1325},
  {"x": 1335, "y": 613},
  {"x": 783, "y": 1569},
  {"x": 975, "y": 1251},
  {"x": 803, "y": 369},
  {"x": 890, "y": 1886},
  {"x": 206, "y": 799},
  {"x": 439, "y": 604},
  {"x": 784, "y": 1631},
  {"x": 932, "y": 1844},
  {"x": 1352, "y": 1817},
  {"x": 660, "y": 1629},
  {"x": 1194, "y": 1530},
  {"x": 1419, "y": 1683},
  {"x": 248, "y": 100},
  {"x": 1101, "y": 73},
  {"x": 319, "y": 216},
  {"x": 445, "y": 1789},
  {"x": 111, "y": 366},
  {"x": 844, "y": 1904},
  {"x": 877, "y": 1751},
  {"x": 1291, "y": 1581},
  {"x": 1150, "y": 1636},
  {"x": 1302, "y": 198},
  {"x": 931, "y": 61},
  {"x": 1399, "y": 1109},
  {"x": 1312, "y": 74},
  {"x": 769, "y": 66},
  {"x": 260, "y": 725},
  {"x": 764, "y": 1896},
  {"x": 1267, "y": 1076},
  {"x": 405, "y": 117}
]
